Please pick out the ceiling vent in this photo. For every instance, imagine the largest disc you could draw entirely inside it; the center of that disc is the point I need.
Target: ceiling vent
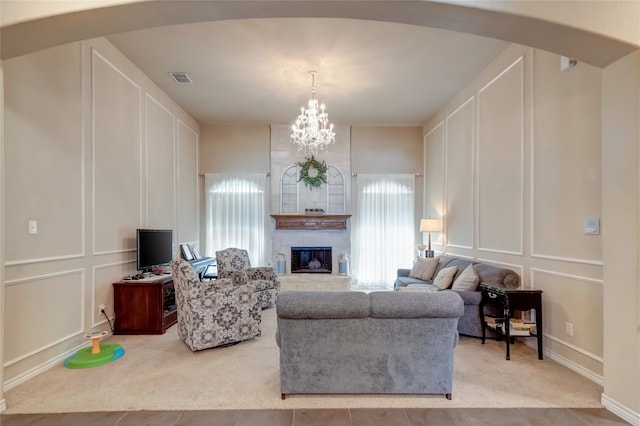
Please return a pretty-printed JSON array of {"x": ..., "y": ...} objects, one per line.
[{"x": 180, "y": 77}]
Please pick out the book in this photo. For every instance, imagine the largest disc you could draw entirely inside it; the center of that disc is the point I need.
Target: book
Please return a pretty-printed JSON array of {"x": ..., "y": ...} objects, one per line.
[{"x": 517, "y": 327}]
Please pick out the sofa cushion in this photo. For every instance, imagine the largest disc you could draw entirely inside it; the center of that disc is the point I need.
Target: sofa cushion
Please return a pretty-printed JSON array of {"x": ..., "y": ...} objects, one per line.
[
  {"x": 470, "y": 297},
  {"x": 424, "y": 268},
  {"x": 459, "y": 263},
  {"x": 418, "y": 287},
  {"x": 323, "y": 304},
  {"x": 445, "y": 277},
  {"x": 467, "y": 280},
  {"x": 405, "y": 281}
]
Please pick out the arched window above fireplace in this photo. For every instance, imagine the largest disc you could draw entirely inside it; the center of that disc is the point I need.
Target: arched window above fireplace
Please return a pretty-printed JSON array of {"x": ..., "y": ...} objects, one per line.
[{"x": 295, "y": 197}]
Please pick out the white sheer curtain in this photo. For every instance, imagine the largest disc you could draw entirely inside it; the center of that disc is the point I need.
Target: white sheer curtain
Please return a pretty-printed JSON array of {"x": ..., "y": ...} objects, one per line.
[
  {"x": 235, "y": 212},
  {"x": 385, "y": 225}
]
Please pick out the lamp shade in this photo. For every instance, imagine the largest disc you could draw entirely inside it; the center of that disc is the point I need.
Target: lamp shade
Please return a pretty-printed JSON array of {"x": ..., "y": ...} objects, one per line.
[{"x": 430, "y": 224}]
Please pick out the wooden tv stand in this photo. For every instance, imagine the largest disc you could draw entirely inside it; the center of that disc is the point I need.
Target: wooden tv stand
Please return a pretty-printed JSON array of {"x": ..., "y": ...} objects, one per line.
[{"x": 145, "y": 306}]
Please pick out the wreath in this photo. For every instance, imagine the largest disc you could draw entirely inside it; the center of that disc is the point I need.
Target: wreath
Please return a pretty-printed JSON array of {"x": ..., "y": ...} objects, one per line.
[{"x": 313, "y": 173}]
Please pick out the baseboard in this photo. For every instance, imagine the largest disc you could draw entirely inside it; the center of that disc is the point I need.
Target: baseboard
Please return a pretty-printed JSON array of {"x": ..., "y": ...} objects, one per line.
[
  {"x": 620, "y": 410},
  {"x": 10, "y": 384},
  {"x": 612, "y": 405},
  {"x": 569, "y": 364}
]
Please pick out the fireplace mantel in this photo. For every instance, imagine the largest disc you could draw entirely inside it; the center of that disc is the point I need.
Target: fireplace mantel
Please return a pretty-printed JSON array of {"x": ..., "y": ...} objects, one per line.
[{"x": 304, "y": 222}]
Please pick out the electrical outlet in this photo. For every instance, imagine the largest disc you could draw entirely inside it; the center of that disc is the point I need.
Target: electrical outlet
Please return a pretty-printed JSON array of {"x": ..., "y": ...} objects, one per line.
[
  {"x": 568, "y": 328},
  {"x": 101, "y": 308}
]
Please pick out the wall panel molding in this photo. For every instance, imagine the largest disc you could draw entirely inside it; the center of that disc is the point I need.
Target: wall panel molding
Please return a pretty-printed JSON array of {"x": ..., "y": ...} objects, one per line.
[
  {"x": 459, "y": 192},
  {"x": 160, "y": 149},
  {"x": 64, "y": 336},
  {"x": 94, "y": 280},
  {"x": 435, "y": 178},
  {"x": 187, "y": 220},
  {"x": 117, "y": 140},
  {"x": 551, "y": 273},
  {"x": 568, "y": 259},
  {"x": 43, "y": 259},
  {"x": 501, "y": 152}
]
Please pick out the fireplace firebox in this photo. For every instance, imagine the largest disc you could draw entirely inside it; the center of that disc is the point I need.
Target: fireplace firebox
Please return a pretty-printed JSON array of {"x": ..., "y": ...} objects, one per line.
[{"x": 314, "y": 260}]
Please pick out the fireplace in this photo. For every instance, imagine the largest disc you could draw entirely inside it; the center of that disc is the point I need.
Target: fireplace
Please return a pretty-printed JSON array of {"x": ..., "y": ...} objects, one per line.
[{"x": 314, "y": 260}]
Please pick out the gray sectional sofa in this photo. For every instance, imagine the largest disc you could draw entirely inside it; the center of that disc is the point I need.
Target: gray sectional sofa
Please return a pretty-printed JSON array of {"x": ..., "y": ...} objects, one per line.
[
  {"x": 354, "y": 342},
  {"x": 469, "y": 323}
]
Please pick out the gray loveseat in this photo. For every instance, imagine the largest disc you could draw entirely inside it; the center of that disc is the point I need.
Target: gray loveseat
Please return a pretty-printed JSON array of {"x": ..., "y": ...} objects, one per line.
[
  {"x": 469, "y": 323},
  {"x": 354, "y": 342}
]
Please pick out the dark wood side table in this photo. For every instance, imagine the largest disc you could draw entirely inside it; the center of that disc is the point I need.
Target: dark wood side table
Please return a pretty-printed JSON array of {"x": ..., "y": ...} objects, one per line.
[
  {"x": 144, "y": 306},
  {"x": 510, "y": 301}
]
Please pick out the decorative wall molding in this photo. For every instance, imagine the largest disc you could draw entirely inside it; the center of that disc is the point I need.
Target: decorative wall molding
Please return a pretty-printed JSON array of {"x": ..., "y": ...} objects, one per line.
[
  {"x": 465, "y": 201},
  {"x": 148, "y": 152},
  {"x": 43, "y": 259},
  {"x": 489, "y": 250},
  {"x": 97, "y": 57},
  {"x": 70, "y": 334},
  {"x": 481, "y": 246},
  {"x": 32, "y": 278},
  {"x": 459, "y": 246},
  {"x": 181, "y": 225},
  {"x": 588, "y": 280},
  {"x": 568, "y": 259},
  {"x": 93, "y": 286},
  {"x": 575, "y": 348}
]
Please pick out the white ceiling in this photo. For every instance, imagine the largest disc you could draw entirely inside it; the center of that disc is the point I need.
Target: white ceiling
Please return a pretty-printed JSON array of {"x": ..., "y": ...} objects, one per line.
[{"x": 255, "y": 71}]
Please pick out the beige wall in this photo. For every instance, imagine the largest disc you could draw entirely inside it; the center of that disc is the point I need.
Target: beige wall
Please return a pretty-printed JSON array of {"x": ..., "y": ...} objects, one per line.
[
  {"x": 2, "y": 239},
  {"x": 93, "y": 150},
  {"x": 388, "y": 150},
  {"x": 513, "y": 166},
  {"x": 621, "y": 213},
  {"x": 225, "y": 149},
  {"x": 618, "y": 387}
]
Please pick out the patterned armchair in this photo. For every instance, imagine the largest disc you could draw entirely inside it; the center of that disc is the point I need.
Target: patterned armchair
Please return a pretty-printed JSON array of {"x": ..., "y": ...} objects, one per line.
[
  {"x": 234, "y": 263},
  {"x": 213, "y": 313}
]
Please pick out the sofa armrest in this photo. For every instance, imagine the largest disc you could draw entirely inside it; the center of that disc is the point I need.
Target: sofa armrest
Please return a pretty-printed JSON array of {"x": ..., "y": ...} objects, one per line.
[{"x": 403, "y": 272}]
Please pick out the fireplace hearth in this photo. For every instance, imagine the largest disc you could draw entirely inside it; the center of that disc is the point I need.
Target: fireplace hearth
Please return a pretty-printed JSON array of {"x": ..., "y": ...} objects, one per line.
[{"x": 312, "y": 260}]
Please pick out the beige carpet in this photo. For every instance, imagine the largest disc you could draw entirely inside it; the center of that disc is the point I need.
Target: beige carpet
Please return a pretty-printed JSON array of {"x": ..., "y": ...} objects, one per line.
[{"x": 161, "y": 373}]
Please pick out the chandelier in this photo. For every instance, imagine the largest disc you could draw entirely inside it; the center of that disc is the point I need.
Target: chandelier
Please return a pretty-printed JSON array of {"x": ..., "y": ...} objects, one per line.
[{"x": 310, "y": 132}]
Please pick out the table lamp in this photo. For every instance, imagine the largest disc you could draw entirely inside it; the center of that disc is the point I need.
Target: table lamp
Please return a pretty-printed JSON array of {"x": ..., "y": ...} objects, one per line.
[{"x": 430, "y": 224}]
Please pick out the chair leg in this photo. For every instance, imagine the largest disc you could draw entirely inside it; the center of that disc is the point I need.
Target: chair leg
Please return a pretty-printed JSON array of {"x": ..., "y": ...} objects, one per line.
[
  {"x": 448, "y": 396},
  {"x": 283, "y": 396}
]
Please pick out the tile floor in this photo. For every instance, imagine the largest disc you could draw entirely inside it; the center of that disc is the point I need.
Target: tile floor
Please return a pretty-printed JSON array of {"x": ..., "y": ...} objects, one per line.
[{"x": 329, "y": 417}]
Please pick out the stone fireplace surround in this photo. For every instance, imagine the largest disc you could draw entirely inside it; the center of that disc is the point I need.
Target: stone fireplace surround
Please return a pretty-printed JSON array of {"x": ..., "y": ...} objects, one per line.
[{"x": 283, "y": 155}]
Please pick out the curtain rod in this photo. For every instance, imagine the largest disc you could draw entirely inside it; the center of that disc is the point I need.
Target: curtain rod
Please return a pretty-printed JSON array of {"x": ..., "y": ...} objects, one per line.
[
  {"x": 417, "y": 174},
  {"x": 202, "y": 174}
]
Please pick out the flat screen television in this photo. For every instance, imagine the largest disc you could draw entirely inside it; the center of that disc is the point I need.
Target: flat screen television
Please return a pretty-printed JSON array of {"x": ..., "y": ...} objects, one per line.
[{"x": 154, "y": 248}]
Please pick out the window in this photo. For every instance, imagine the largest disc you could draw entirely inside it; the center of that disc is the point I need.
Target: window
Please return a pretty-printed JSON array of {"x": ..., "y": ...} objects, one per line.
[
  {"x": 385, "y": 228},
  {"x": 235, "y": 213},
  {"x": 332, "y": 193}
]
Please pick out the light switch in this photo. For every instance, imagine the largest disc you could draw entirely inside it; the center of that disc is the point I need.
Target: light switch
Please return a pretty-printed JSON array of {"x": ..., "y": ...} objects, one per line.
[
  {"x": 33, "y": 227},
  {"x": 591, "y": 226}
]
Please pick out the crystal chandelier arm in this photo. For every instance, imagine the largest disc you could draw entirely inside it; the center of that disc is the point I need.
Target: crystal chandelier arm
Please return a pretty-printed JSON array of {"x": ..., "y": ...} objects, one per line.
[{"x": 310, "y": 130}]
